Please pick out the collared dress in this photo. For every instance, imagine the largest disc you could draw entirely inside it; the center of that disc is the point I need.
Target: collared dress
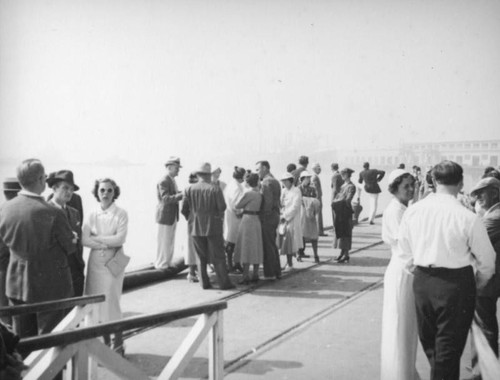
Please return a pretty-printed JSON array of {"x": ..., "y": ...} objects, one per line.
[
  {"x": 309, "y": 212},
  {"x": 249, "y": 248},
  {"x": 110, "y": 226},
  {"x": 399, "y": 318}
]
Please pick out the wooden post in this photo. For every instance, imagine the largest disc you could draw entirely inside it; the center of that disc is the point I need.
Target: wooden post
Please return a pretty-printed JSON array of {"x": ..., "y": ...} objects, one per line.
[{"x": 216, "y": 348}]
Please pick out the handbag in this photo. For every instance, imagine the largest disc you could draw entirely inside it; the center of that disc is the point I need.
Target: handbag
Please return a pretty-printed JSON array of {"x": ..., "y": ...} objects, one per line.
[{"x": 118, "y": 262}]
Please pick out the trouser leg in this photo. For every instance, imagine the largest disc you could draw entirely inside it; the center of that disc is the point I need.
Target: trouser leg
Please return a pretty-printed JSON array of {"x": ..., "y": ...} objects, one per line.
[
  {"x": 271, "y": 263},
  {"x": 229, "y": 248},
  {"x": 217, "y": 257},
  {"x": 201, "y": 248}
]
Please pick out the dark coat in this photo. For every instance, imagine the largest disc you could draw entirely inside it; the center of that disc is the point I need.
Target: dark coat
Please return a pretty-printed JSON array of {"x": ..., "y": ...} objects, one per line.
[
  {"x": 337, "y": 183},
  {"x": 39, "y": 238},
  {"x": 492, "y": 223},
  {"x": 371, "y": 178},
  {"x": 207, "y": 204},
  {"x": 167, "y": 210}
]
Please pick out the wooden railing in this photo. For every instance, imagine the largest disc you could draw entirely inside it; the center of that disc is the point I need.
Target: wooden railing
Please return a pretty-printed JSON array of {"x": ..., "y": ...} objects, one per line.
[{"x": 83, "y": 348}]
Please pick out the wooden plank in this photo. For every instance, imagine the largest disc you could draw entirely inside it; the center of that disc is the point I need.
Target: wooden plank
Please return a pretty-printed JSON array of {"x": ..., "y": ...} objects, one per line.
[
  {"x": 216, "y": 349},
  {"x": 114, "y": 362},
  {"x": 68, "y": 337},
  {"x": 80, "y": 364},
  {"x": 179, "y": 361},
  {"x": 67, "y": 303},
  {"x": 74, "y": 318},
  {"x": 51, "y": 364}
]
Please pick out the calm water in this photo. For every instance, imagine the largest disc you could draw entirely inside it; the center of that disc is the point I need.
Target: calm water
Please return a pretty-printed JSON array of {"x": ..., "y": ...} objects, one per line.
[{"x": 138, "y": 197}]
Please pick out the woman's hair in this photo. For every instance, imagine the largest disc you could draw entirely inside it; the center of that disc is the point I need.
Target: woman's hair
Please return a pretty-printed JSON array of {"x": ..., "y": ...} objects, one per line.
[
  {"x": 252, "y": 179},
  {"x": 239, "y": 172},
  {"x": 393, "y": 187},
  {"x": 291, "y": 167},
  {"x": 116, "y": 188}
]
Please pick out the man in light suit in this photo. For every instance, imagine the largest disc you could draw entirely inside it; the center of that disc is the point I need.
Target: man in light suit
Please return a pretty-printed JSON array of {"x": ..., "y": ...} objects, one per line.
[
  {"x": 39, "y": 239},
  {"x": 167, "y": 213},
  {"x": 207, "y": 204},
  {"x": 63, "y": 185},
  {"x": 487, "y": 195}
]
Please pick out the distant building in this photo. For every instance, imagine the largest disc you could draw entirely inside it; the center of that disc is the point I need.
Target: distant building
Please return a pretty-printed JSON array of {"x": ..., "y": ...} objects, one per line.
[{"x": 474, "y": 153}]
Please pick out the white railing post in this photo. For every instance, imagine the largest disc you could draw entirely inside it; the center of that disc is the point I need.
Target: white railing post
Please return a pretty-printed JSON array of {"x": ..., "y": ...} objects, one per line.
[
  {"x": 91, "y": 320},
  {"x": 216, "y": 348}
]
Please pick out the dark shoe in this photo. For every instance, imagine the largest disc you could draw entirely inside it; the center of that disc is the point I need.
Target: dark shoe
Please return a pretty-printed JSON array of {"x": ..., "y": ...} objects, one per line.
[
  {"x": 339, "y": 258},
  {"x": 304, "y": 256},
  {"x": 245, "y": 281},
  {"x": 316, "y": 259},
  {"x": 254, "y": 279},
  {"x": 343, "y": 260},
  {"x": 299, "y": 258},
  {"x": 207, "y": 286},
  {"x": 238, "y": 268}
]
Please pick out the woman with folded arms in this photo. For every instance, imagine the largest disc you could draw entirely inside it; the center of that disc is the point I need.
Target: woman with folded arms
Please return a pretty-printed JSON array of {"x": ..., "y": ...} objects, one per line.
[{"x": 104, "y": 232}]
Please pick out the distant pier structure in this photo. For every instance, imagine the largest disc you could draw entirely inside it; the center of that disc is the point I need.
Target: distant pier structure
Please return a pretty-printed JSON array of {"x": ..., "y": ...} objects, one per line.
[{"x": 472, "y": 154}]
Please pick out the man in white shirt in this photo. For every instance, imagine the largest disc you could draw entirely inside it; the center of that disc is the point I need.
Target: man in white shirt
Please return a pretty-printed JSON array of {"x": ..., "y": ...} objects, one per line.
[{"x": 445, "y": 240}]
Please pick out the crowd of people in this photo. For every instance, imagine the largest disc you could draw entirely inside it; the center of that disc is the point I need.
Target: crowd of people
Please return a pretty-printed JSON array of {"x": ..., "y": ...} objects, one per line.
[
  {"x": 444, "y": 271},
  {"x": 437, "y": 235}
]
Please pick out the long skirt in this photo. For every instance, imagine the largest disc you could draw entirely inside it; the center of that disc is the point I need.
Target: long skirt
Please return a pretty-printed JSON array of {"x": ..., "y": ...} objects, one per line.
[
  {"x": 249, "y": 248},
  {"x": 100, "y": 280},
  {"x": 399, "y": 325}
]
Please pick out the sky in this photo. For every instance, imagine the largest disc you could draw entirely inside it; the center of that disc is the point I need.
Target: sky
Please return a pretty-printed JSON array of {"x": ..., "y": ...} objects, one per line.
[{"x": 141, "y": 80}]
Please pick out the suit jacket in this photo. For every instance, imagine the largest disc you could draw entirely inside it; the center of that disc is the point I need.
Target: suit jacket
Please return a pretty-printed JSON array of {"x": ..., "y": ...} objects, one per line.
[
  {"x": 39, "y": 239},
  {"x": 316, "y": 182},
  {"x": 167, "y": 210},
  {"x": 337, "y": 183},
  {"x": 371, "y": 178},
  {"x": 207, "y": 204},
  {"x": 271, "y": 195},
  {"x": 491, "y": 221},
  {"x": 75, "y": 202}
]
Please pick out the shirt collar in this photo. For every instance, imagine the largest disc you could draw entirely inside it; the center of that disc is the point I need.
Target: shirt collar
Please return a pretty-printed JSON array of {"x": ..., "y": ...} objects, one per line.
[
  {"x": 109, "y": 209},
  {"x": 29, "y": 193},
  {"x": 492, "y": 208}
]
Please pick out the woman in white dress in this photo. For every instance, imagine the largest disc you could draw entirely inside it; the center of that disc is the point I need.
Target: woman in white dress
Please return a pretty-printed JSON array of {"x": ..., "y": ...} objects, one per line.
[
  {"x": 232, "y": 194},
  {"x": 399, "y": 320},
  {"x": 104, "y": 232},
  {"x": 291, "y": 204}
]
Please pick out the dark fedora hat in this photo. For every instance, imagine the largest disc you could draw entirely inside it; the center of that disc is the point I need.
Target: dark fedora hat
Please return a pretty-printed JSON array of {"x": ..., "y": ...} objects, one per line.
[
  {"x": 61, "y": 175},
  {"x": 11, "y": 184}
]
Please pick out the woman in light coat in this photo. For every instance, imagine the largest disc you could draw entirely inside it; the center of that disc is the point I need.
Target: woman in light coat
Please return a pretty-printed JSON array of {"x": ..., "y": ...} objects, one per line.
[
  {"x": 291, "y": 203},
  {"x": 232, "y": 194},
  {"x": 104, "y": 232}
]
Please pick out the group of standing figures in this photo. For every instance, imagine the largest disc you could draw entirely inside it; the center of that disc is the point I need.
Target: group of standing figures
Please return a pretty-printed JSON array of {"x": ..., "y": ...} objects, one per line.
[
  {"x": 442, "y": 274},
  {"x": 254, "y": 218}
]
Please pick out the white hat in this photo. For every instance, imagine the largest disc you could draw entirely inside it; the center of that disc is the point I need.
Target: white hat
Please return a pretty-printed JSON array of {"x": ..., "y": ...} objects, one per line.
[
  {"x": 286, "y": 176},
  {"x": 305, "y": 173},
  {"x": 396, "y": 174}
]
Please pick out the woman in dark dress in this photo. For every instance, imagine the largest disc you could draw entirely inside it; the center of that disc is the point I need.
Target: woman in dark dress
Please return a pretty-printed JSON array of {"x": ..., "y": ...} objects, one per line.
[{"x": 343, "y": 216}]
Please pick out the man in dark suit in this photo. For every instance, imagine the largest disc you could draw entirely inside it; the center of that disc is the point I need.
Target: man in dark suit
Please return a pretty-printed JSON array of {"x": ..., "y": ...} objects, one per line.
[
  {"x": 63, "y": 185},
  {"x": 487, "y": 195},
  {"x": 371, "y": 178},
  {"x": 39, "y": 239},
  {"x": 316, "y": 183},
  {"x": 207, "y": 204},
  {"x": 167, "y": 213},
  {"x": 269, "y": 219},
  {"x": 303, "y": 162},
  {"x": 336, "y": 184}
]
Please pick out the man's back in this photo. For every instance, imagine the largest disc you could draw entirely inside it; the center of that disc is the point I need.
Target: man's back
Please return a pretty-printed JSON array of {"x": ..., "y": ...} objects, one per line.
[
  {"x": 39, "y": 238},
  {"x": 438, "y": 231},
  {"x": 207, "y": 204},
  {"x": 271, "y": 192},
  {"x": 337, "y": 183},
  {"x": 371, "y": 177}
]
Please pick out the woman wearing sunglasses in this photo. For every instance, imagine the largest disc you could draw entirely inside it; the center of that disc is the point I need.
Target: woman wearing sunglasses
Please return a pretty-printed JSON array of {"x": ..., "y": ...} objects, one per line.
[{"x": 104, "y": 232}]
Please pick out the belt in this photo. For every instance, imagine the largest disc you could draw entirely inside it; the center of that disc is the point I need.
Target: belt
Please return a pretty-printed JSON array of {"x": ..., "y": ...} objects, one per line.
[
  {"x": 442, "y": 270},
  {"x": 251, "y": 212}
]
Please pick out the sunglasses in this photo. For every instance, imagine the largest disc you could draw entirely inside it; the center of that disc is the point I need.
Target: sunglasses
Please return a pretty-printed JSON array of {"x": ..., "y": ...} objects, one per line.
[{"x": 102, "y": 191}]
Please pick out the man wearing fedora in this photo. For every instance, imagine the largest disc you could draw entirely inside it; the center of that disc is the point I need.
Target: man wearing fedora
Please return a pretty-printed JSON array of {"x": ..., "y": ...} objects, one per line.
[
  {"x": 167, "y": 213},
  {"x": 63, "y": 186},
  {"x": 487, "y": 196},
  {"x": 40, "y": 239},
  {"x": 207, "y": 204}
]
